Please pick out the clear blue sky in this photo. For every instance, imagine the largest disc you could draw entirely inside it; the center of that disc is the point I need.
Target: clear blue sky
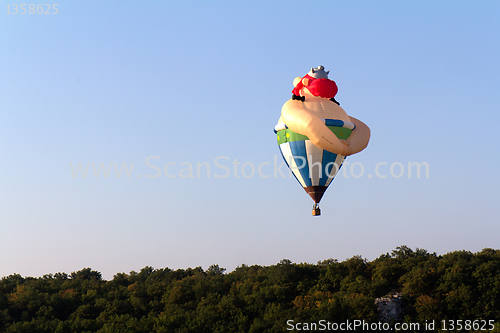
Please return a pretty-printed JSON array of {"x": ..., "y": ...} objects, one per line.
[{"x": 189, "y": 82}]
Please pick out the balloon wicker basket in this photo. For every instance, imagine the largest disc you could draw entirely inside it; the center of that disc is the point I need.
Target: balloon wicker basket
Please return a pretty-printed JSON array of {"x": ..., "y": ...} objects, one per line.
[{"x": 316, "y": 211}]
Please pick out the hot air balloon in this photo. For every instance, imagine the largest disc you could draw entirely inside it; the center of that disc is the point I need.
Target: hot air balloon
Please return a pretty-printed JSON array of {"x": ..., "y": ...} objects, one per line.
[{"x": 315, "y": 134}]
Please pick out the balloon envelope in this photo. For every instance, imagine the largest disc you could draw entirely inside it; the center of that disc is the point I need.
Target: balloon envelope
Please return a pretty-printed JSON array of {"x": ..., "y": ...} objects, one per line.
[{"x": 313, "y": 167}]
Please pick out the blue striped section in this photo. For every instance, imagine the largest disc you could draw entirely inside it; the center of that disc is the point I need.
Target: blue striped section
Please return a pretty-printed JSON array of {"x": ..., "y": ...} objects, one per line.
[
  {"x": 283, "y": 156},
  {"x": 339, "y": 123},
  {"x": 298, "y": 148},
  {"x": 327, "y": 158},
  {"x": 286, "y": 161},
  {"x": 334, "y": 122}
]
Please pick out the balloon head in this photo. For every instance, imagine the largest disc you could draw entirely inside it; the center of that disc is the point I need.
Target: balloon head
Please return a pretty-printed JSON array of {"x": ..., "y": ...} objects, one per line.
[{"x": 319, "y": 73}]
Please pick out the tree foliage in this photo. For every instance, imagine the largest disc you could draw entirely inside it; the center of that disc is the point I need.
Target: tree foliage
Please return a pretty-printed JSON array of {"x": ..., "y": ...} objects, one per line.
[{"x": 458, "y": 285}]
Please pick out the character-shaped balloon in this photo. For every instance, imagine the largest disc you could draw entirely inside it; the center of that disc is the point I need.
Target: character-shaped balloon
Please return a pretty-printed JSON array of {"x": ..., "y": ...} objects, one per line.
[{"x": 315, "y": 134}]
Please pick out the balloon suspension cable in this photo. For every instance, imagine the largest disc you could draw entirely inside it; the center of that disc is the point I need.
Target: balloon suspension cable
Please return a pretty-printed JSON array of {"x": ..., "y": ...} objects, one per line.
[{"x": 315, "y": 210}]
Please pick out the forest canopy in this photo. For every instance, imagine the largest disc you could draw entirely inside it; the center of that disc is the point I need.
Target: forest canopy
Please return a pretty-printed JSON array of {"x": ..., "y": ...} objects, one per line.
[{"x": 455, "y": 286}]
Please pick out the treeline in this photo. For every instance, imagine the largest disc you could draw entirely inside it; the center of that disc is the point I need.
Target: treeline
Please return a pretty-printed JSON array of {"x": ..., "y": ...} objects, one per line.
[{"x": 457, "y": 286}]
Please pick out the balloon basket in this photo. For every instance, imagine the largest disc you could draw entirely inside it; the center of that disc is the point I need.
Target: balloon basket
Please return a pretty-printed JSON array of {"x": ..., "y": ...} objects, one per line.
[{"x": 316, "y": 211}]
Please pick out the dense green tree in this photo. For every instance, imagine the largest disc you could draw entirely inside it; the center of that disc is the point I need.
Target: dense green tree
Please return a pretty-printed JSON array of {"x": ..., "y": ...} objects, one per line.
[{"x": 454, "y": 286}]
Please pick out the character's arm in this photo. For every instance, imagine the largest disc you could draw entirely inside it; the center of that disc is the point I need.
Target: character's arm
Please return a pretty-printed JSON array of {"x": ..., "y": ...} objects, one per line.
[
  {"x": 302, "y": 121},
  {"x": 359, "y": 138}
]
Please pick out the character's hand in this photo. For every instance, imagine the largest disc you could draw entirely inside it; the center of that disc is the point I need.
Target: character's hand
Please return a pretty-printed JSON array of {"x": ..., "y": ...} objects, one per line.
[
  {"x": 346, "y": 142},
  {"x": 360, "y": 136},
  {"x": 347, "y": 148}
]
